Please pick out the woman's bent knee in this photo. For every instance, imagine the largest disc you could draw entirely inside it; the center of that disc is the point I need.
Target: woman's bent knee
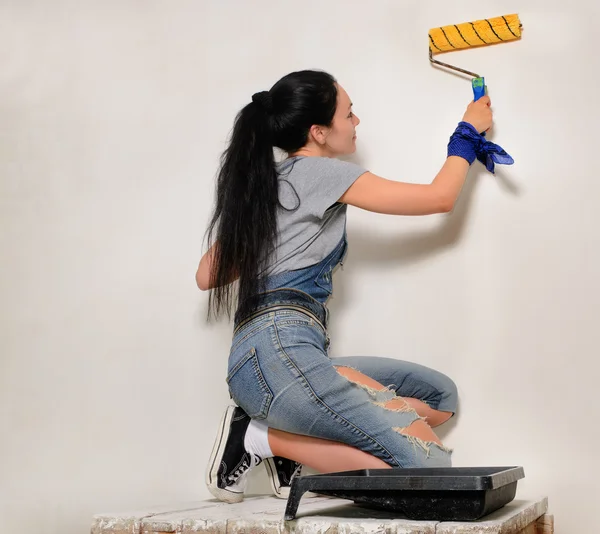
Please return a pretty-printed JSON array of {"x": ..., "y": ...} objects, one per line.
[{"x": 426, "y": 454}]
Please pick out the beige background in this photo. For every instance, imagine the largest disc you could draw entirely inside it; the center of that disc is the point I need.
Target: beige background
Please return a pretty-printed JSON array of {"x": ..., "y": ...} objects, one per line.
[{"x": 112, "y": 117}]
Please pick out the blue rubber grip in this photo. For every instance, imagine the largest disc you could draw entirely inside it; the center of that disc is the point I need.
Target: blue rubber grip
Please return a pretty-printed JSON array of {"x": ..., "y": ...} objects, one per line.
[{"x": 479, "y": 88}]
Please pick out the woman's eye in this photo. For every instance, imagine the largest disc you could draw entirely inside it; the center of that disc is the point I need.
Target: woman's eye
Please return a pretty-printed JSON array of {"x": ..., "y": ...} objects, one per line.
[{"x": 350, "y": 114}]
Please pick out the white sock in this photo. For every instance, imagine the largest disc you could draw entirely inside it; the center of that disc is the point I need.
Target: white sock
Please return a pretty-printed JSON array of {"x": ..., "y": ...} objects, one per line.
[{"x": 256, "y": 440}]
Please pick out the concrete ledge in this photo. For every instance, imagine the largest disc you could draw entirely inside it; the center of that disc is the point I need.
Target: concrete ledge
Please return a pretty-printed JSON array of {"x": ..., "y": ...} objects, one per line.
[{"x": 317, "y": 515}]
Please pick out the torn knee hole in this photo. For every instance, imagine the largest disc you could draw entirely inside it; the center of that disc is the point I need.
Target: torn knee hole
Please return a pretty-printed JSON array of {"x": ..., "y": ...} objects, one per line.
[
  {"x": 380, "y": 396},
  {"x": 422, "y": 443},
  {"x": 397, "y": 405}
]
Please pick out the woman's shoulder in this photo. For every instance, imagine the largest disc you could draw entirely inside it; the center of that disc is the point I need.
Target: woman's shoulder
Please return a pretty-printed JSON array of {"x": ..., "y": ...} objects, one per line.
[{"x": 316, "y": 162}]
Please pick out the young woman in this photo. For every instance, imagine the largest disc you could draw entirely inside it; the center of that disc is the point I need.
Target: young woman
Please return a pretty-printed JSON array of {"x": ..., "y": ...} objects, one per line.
[{"x": 279, "y": 230}]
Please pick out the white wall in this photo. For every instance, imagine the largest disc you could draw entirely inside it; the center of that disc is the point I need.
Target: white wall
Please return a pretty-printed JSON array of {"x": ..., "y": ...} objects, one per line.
[{"x": 112, "y": 117}]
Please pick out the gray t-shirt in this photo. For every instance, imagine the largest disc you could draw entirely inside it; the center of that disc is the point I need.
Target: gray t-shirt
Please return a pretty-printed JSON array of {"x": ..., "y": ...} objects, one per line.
[{"x": 311, "y": 222}]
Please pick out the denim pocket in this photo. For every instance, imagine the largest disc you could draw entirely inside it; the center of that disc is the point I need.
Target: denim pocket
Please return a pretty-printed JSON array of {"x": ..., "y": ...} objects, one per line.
[
  {"x": 251, "y": 328},
  {"x": 248, "y": 387}
]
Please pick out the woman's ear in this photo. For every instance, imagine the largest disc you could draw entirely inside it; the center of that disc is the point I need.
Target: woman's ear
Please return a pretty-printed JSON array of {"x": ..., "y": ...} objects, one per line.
[{"x": 319, "y": 134}]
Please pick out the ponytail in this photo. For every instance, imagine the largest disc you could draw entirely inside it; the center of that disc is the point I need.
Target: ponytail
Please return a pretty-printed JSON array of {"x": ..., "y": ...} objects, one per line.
[{"x": 247, "y": 200}]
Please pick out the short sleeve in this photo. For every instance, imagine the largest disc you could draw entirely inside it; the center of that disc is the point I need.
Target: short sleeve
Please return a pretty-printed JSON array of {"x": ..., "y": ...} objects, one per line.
[{"x": 328, "y": 180}]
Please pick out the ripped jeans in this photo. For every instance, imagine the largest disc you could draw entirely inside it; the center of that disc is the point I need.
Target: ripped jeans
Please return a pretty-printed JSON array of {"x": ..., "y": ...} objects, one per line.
[{"x": 279, "y": 372}]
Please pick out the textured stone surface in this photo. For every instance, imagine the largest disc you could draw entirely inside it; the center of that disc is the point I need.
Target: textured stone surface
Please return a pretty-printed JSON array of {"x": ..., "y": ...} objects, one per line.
[
  {"x": 131, "y": 522},
  {"x": 510, "y": 519},
  {"x": 317, "y": 515}
]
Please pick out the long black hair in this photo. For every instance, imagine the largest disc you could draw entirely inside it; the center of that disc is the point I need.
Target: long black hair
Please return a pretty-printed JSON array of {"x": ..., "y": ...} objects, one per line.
[{"x": 244, "y": 217}]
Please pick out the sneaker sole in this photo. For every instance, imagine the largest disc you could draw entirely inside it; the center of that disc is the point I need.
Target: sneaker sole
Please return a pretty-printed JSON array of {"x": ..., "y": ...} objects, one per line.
[{"x": 215, "y": 461}]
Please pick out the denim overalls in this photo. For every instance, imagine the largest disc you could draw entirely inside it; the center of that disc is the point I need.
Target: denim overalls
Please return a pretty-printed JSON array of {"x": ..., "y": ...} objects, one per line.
[
  {"x": 279, "y": 371},
  {"x": 309, "y": 288},
  {"x": 310, "y": 284}
]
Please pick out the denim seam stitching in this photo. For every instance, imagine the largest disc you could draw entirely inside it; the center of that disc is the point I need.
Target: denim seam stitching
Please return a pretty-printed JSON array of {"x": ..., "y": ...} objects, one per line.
[
  {"x": 295, "y": 322},
  {"x": 266, "y": 390},
  {"x": 250, "y": 334},
  {"x": 327, "y": 274},
  {"x": 240, "y": 364},
  {"x": 268, "y": 393},
  {"x": 313, "y": 323},
  {"x": 333, "y": 412}
]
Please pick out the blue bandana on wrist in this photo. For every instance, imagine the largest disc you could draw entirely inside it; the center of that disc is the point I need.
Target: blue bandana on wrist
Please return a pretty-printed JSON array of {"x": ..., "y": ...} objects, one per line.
[{"x": 469, "y": 144}]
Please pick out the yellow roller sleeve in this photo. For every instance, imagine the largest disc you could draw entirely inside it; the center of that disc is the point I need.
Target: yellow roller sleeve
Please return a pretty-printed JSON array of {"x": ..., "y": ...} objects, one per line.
[{"x": 477, "y": 33}]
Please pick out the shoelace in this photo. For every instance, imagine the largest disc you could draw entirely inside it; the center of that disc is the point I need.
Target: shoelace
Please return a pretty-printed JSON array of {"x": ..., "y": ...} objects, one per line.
[{"x": 244, "y": 468}]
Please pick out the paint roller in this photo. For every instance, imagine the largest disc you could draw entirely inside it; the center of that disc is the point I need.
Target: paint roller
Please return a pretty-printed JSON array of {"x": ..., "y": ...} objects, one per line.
[{"x": 473, "y": 34}]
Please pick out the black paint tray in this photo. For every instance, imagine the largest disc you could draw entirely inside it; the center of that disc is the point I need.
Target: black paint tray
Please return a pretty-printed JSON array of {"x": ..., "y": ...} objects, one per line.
[{"x": 438, "y": 494}]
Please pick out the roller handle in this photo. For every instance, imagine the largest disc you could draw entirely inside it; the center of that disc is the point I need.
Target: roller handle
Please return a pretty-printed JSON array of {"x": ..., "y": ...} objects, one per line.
[{"x": 479, "y": 90}]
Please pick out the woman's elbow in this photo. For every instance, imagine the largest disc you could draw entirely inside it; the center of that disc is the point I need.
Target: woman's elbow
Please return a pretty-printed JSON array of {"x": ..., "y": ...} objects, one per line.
[
  {"x": 201, "y": 281},
  {"x": 445, "y": 204}
]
